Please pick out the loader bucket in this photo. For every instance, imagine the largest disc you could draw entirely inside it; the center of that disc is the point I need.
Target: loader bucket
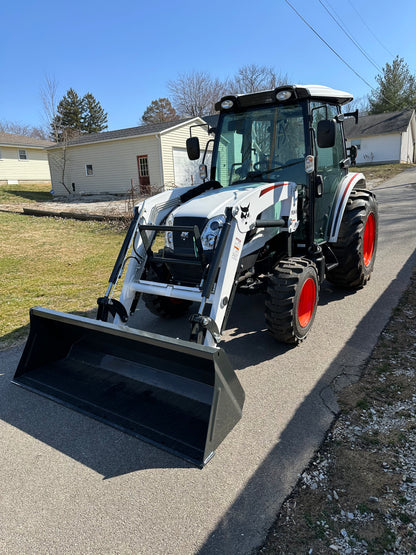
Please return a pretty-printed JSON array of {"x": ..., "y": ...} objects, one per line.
[{"x": 177, "y": 395}]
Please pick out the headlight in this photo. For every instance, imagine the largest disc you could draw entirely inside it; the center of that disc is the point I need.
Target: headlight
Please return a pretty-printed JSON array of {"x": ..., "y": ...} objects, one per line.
[
  {"x": 169, "y": 234},
  {"x": 227, "y": 104},
  {"x": 283, "y": 95},
  {"x": 211, "y": 232}
]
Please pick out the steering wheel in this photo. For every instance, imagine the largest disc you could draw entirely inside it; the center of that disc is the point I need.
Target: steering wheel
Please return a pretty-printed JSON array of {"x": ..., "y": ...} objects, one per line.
[{"x": 261, "y": 166}]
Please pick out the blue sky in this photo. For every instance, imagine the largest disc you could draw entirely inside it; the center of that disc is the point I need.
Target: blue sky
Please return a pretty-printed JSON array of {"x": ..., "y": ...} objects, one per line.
[{"x": 125, "y": 52}]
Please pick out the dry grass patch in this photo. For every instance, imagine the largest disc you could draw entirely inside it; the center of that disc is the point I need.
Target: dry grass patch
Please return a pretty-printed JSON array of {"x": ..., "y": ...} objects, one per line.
[{"x": 382, "y": 171}]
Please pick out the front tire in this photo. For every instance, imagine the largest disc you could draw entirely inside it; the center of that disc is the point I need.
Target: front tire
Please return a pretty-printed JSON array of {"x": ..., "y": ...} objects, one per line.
[
  {"x": 356, "y": 246},
  {"x": 291, "y": 300},
  {"x": 164, "y": 307}
]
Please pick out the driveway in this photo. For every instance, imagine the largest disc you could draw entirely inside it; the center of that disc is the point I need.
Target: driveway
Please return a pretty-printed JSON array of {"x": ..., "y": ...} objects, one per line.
[{"x": 69, "y": 484}]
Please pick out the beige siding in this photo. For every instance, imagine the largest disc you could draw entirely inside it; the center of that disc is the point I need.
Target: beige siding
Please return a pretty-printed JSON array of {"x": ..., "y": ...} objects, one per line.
[
  {"x": 35, "y": 168},
  {"x": 407, "y": 153},
  {"x": 176, "y": 138},
  {"x": 114, "y": 166}
]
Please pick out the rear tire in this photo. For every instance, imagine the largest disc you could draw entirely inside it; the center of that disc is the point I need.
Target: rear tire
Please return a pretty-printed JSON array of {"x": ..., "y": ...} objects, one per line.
[
  {"x": 291, "y": 300},
  {"x": 356, "y": 246}
]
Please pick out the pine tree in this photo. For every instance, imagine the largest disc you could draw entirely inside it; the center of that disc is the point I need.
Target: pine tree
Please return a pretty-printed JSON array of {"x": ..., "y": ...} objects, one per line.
[
  {"x": 159, "y": 111},
  {"x": 396, "y": 89},
  {"x": 94, "y": 119},
  {"x": 68, "y": 119}
]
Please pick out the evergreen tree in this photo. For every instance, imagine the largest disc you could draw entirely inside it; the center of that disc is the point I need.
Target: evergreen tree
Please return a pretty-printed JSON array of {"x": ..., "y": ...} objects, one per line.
[
  {"x": 159, "y": 111},
  {"x": 396, "y": 89},
  {"x": 76, "y": 115},
  {"x": 68, "y": 119},
  {"x": 94, "y": 119}
]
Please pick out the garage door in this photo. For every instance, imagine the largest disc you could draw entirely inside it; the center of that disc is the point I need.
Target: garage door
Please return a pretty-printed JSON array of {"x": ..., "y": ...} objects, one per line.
[{"x": 187, "y": 171}]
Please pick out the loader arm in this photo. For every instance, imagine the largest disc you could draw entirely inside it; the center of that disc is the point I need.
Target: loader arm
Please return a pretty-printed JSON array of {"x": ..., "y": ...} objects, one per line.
[{"x": 216, "y": 290}]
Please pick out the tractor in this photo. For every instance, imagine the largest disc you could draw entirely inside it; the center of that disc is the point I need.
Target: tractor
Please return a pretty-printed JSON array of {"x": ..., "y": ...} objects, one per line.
[{"x": 276, "y": 213}]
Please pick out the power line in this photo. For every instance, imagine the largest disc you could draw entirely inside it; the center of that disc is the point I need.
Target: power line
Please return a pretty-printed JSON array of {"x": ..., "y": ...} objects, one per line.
[
  {"x": 368, "y": 28},
  {"x": 363, "y": 52},
  {"x": 336, "y": 53},
  {"x": 328, "y": 45}
]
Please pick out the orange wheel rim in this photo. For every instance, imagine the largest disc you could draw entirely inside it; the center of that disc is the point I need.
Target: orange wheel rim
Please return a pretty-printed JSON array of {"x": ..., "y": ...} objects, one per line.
[
  {"x": 369, "y": 239},
  {"x": 306, "y": 302}
]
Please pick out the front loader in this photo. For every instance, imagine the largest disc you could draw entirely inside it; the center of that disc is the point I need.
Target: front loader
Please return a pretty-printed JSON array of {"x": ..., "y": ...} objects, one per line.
[{"x": 279, "y": 213}]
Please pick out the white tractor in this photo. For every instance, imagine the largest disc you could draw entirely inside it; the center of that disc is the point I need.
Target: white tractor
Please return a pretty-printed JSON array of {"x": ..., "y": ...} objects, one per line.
[{"x": 279, "y": 213}]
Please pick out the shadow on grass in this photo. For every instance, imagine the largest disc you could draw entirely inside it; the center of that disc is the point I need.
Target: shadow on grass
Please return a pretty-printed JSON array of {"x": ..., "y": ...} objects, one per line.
[
  {"x": 19, "y": 335},
  {"x": 34, "y": 196},
  {"x": 14, "y": 338}
]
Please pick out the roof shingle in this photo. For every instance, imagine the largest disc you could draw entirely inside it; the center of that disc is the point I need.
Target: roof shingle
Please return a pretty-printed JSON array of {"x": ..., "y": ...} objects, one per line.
[
  {"x": 150, "y": 129},
  {"x": 10, "y": 139},
  {"x": 378, "y": 124}
]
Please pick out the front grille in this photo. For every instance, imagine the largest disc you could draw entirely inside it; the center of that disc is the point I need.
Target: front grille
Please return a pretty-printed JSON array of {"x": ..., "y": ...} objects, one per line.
[{"x": 184, "y": 243}]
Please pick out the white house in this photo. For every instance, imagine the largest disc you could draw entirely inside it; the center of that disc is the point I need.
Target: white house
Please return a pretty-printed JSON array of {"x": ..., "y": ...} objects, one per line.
[
  {"x": 383, "y": 138},
  {"x": 150, "y": 157},
  {"x": 23, "y": 159}
]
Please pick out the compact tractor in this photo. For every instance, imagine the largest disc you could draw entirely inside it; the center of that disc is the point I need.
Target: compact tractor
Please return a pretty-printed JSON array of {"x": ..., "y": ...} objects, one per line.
[{"x": 277, "y": 213}]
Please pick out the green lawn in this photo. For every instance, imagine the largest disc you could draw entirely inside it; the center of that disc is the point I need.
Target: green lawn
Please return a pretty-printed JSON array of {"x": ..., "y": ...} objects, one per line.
[{"x": 56, "y": 263}]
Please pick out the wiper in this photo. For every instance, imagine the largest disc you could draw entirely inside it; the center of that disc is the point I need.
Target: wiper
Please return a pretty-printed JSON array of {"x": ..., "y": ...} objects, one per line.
[
  {"x": 256, "y": 174},
  {"x": 281, "y": 167}
]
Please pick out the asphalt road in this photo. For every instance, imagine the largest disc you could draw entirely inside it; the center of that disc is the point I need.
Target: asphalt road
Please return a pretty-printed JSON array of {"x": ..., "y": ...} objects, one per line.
[{"x": 69, "y": 484}]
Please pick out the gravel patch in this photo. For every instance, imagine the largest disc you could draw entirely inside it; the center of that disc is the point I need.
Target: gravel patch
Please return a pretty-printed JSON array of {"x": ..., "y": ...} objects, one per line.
[{"x": 358, "y": 495}]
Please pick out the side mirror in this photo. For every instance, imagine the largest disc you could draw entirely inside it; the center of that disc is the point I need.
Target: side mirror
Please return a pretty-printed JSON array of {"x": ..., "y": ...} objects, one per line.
[
  {"x": 192, "y": 148},
  {"x": 326, "y": 133}
]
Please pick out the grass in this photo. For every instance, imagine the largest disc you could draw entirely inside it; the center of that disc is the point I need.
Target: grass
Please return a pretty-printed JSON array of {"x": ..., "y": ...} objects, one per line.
[
  {"x": 382, "y": 171},
  {"x": 57, "y": 263},
  {"x": 18, "y": 194}
]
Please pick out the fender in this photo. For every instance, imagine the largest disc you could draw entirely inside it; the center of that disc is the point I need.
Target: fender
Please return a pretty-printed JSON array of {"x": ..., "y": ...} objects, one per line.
[{"x": 351, "y": 181}]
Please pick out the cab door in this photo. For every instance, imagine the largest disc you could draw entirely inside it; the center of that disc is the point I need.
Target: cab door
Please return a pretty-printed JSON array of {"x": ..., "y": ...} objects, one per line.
[{"x": 329, "y": 167}]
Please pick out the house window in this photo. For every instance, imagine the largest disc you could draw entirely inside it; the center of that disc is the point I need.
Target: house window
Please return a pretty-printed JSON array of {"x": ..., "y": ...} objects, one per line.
[
  {"x": 356, "y": 142},
  {"x": 88, "y": 169},
  {"x": 22, "y": 154}
]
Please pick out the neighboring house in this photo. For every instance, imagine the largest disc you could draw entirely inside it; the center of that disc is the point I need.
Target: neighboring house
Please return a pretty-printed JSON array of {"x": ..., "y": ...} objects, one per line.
[
  {"x": 383, "y": 138},
  {"x": 23, "y": 159},
  {"x": 150, "y": 158}
]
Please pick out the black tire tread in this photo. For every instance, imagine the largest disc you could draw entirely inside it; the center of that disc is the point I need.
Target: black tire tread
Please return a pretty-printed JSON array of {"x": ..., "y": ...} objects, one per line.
[
  {"x": 280, "y": 297},
  {"x": 351, "y": 272}
]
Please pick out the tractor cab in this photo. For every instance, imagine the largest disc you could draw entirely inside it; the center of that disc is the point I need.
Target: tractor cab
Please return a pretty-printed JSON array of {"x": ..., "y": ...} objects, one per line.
[{"x": 292, "y": 134}]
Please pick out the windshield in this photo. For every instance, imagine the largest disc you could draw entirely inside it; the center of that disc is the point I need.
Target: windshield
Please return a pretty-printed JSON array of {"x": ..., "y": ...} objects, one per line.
[{"x": 263, "y": 144}]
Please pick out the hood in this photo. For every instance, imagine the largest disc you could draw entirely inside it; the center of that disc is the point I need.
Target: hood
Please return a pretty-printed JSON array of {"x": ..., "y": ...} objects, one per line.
[{"x": 213, "y": 203}]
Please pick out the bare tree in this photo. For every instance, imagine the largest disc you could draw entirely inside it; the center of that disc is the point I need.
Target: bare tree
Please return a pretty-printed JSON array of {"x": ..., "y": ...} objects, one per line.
[
  {"x": 252, "y": 78},
  {"x": 159, "y": 111},
  {"x": 58, "y": 159},
  {"x": 361, "y": 104},
  {"x": 195, "y": 93},
  {"x": 49, "y": 96},
  {"x": 21, "y": 129}
]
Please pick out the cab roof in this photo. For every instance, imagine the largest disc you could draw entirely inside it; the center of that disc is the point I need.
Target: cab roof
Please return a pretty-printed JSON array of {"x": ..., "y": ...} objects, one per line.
[{"x": 297, "y": 92}]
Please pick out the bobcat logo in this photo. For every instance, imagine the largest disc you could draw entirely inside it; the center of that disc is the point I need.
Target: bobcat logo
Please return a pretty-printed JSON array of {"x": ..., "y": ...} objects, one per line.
[{"x": 245, "y": 212}]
